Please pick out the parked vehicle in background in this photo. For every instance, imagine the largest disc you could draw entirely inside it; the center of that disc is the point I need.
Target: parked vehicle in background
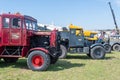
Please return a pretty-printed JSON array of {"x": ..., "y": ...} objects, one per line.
[
  {"x": 115, "y": 39},
  {"x": 115, "y": 42},
  {"x": 92, "y": 38},
  {"x": 74, "y": 40}
]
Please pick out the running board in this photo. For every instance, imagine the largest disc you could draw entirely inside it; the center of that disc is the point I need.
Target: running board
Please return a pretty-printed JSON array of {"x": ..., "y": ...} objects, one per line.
[{"x": 14, "y": 56}]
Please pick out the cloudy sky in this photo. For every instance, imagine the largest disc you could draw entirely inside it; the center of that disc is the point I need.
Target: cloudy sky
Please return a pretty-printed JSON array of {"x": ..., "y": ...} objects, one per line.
[{"x": 90, "y": 14}]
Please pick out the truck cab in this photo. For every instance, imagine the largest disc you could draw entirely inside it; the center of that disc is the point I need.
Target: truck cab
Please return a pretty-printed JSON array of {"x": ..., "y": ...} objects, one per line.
[
  {"x": 76, "y": 38},
  {"x": 15, "y": 28}
]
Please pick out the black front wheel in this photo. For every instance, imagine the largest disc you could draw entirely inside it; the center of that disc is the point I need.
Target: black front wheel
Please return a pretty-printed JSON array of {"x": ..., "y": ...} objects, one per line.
[
  {"x": 116, "y": 47},
  {"x": 63, "y": 52},
  {"x": 97, "y": 52},
  {"x": 38, "y": 61},
  {"x": 107, "y": 48}
]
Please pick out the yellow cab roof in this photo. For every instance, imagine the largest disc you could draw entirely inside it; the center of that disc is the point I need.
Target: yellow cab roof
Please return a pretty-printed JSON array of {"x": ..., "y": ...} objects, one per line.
[
  {"x": 71, "y": 26},
  {"x": 88, "y": 32}
]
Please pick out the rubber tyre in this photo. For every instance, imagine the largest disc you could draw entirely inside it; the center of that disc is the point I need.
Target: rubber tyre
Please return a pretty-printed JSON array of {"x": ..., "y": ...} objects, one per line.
[
  {"x": 43, "y": 66},
  {"x": 116, "y": 47},
  {"x": 97, "y": 52},
  {"x": 10, "y": 60},
  {"x": 64, "y": 52},
  {"x": 107, "y": 48}
]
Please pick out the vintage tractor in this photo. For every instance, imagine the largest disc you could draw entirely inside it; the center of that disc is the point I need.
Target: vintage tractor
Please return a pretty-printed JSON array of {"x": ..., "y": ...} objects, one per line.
[
  {"x": 19, "y": 38},
  {"x": 92, "y": 38},
  {"x": 74, "y": 41}
]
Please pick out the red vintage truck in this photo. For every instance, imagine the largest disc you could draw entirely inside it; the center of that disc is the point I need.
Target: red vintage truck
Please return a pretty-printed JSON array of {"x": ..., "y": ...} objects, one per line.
[{"x": 19, "y": 38}]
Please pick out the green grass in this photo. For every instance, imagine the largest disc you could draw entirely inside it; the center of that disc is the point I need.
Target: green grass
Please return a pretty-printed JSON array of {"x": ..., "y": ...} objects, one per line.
[{"x": 75, "y": 67}]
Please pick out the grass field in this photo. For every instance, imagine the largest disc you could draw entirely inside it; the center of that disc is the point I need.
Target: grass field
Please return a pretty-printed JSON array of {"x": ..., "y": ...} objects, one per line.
[{"x": 75, "y": 67}]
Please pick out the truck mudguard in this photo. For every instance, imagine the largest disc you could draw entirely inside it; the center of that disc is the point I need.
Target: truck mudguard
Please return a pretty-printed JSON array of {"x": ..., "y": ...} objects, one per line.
[
  {"x": 96, "y": 44},
  {"x": 38, "y": 48}
]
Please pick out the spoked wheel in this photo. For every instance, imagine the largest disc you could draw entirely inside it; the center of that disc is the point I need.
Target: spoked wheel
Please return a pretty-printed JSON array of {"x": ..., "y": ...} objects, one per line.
[
  {"x": 97, "y": 52},
  {"x": 38, "y": 61},
  {"x": 10, "y": 59},
  {"x": 116, "y": 47},
  {"x": 107, "y": 48}
]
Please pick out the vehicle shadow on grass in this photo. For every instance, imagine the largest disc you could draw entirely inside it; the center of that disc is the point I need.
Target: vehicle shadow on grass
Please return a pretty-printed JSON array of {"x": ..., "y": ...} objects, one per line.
[
  {"x": 86, "y": 57},
  {"x": 63, "y": 64},
  {"x": 59, "y": 65},
  {"x": 21, "y": 63},
  {"x": 77, "y": 57}
]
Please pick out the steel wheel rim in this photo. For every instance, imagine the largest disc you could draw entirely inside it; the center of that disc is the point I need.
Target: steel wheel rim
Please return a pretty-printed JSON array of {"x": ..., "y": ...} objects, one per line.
[
  {"x": 107, "y": 47},
  {"x": 37, "y": 61},
  {"x": 97, "y": 52},
  {"x": 116, "y": 47}
]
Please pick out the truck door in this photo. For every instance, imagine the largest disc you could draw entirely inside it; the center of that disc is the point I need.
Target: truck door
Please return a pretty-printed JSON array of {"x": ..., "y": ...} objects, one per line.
[
  {"x": 24, "y": 36},
  {"x": 15, "y": 31},
  {"x": 76, "y": 40},
  {"x": 6, "y": 31},
  {"x": 72, "y": 38}
]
